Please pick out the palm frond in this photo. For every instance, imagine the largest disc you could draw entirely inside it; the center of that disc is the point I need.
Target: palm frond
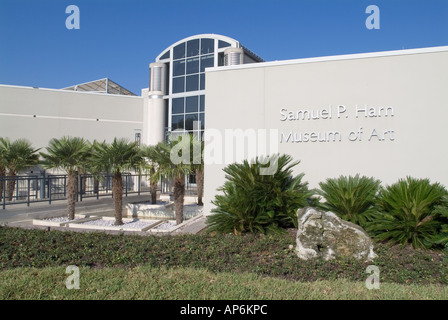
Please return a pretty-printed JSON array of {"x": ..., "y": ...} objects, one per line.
[
  {"x": 352, "y": 198},
  {"x": 18, "y": 155},
  {"x": 253, "y": 202},
  {"x": 118, "y": 156},
  {"x": 410, "y": 212},
  {"x": 67, "y": 153}
]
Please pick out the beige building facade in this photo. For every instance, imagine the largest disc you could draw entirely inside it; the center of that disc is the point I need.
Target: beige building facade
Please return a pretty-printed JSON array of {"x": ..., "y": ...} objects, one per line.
[
  {"x": 39, "y": 115},
  {"x": 380, "y": 114}
]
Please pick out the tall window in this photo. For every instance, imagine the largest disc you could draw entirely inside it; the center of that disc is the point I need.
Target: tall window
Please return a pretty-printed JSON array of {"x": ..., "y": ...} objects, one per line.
[
  {"x": 189, "y": 62},
  {"x": 190, "y": 59}
]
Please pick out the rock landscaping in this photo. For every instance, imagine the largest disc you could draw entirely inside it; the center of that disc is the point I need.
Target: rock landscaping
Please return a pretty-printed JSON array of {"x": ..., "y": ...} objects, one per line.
[{"x": 324, "y": 235}]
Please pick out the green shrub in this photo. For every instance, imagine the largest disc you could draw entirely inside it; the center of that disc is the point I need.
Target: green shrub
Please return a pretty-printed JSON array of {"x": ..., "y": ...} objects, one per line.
[
  {"x": 410, "y": 211},
  {"x": 253, "y": 202},
  {"x": 351, "y": 198},
  {"x": 441, "y": 238}
]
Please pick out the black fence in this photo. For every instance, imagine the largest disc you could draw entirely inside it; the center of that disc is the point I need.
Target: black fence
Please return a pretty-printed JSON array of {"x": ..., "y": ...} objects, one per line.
[{"x": 49, "y": 188}]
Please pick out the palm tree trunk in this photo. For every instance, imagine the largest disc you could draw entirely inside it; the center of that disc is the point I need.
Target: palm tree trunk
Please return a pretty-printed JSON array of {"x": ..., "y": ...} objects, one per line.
[
  {"x": 117, "y": 189},
  {"x": 2, "y": 174},
  {"x": 153, "y": 187},
  {"x": 179, "y": 192},
  {"x": 200, "y": 185},
  {"x": 96, "y": 185},
  {"x": 10, "y": 185},
  {"x": 71, "y": 195}
]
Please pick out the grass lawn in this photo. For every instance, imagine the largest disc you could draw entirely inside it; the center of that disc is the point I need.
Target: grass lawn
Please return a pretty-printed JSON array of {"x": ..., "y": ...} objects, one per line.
[
  {"x": 33, "y": 264},
  {"x": 144, "y": 282}
]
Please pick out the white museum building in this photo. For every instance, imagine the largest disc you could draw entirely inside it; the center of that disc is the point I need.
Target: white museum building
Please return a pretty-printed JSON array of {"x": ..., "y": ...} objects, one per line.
[{"x": 381, "y": 114}]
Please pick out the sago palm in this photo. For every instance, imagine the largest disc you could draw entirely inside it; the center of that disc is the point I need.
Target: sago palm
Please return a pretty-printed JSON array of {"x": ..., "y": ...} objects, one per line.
[
  {"x": 115, "y": 158},
  {"x": 441, "y": 238},
  {"x": 17, "y": 156},
  {"x": 254, "y": 202},
  {"x": 409, "y": 212},
  {"x": 69, "y": 154},
  {"x": 351, "y": 198}
]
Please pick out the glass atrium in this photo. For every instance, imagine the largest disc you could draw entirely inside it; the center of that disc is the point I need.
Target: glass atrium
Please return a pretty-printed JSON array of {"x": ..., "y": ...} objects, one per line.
[{"x": 184, "y": 79}]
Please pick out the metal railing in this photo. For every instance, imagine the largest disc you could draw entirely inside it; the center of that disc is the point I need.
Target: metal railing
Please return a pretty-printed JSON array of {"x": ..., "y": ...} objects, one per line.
[
  {"x": 166, "y": 186},
  {"x": 49, "y": 188}
]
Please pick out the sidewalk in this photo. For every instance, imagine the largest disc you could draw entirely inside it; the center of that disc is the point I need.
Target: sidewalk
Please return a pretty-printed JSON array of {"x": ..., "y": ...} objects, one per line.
[{"x": 20, "y": 215}]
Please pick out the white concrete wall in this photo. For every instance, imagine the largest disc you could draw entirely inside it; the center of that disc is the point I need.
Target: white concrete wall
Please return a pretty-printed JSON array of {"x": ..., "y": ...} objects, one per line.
[
  {"x": 145, "y": 114},
  {"x": 412, "y": 82},
  {"x": 59, "y": 113}
]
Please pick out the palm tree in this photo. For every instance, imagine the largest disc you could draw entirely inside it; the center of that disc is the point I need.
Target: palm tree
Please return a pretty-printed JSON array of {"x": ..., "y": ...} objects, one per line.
[
  {"x": 114, "y": 158},
  {"x": 2, "y": 167},
  {"x": 197, "y": 166},
  {"x": 69, "y": 154},
  {"x": 153, "y": 156},
  {"x": 176, "y": 166},
  {"x": 17, "y": 156}
]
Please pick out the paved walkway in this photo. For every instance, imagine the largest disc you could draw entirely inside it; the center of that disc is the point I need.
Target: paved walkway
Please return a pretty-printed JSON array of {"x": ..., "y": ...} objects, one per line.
[
  {"x": 194, "y": 227},
  {"x": 20, "y": 215}
]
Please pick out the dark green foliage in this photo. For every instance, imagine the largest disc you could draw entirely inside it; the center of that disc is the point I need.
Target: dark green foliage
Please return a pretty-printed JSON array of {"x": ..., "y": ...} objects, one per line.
[
  {"x": 118, "y": 156},
  {"x": 67, "y": 153},
  {"x": 17, "y": 155},
  {"x": 351, "y": 198},
  {"x": 255, "y": 202},
  {"x": 115, "y": 158},
  {"x": 71, "y": 155},
  {"x": 441, "y": 238},
  {"x": 266, "y": 255},
  {"x": 175, "y": 161},
  {"x": 411, "y": 211}
]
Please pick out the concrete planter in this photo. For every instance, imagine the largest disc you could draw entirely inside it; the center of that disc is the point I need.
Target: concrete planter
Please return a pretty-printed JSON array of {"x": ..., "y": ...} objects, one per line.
[
  {"x": 47, "y": 223},
  {"x": 81, "y": 225},
  {"x": 175, "y": 227},
  {"x": 162, "y": 210}
]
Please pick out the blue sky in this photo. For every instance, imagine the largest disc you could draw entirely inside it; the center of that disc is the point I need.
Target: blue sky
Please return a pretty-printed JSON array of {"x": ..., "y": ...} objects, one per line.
[{"x": 118, "y": 39}]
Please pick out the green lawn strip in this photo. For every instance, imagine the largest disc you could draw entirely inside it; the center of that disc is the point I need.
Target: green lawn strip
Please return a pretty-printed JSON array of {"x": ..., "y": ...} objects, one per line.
[
  {"x": 145, "y": 282},
  {"x": 262, "y": 255}
]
